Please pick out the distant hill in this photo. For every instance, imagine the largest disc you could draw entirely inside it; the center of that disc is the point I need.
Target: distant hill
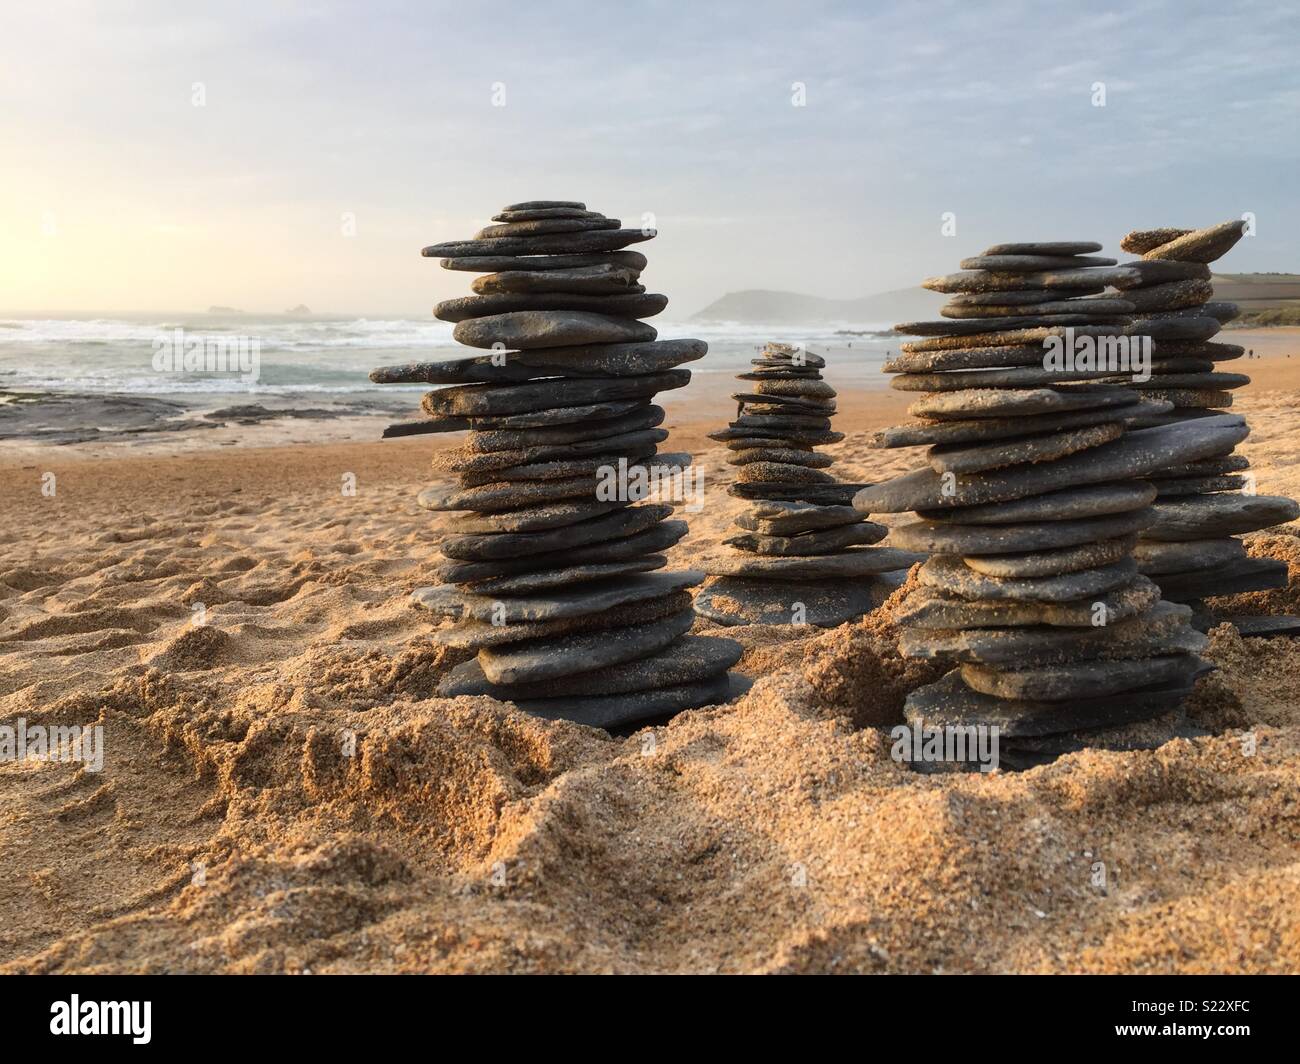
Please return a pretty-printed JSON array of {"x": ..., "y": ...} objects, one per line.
[
  {"x": 762, "y": 307},
  {"x": 1265, "y": 299}
]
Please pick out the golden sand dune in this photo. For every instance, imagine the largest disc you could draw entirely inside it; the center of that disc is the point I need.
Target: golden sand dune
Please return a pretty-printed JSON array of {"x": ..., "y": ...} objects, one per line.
[{"x": 280, "y": 794}]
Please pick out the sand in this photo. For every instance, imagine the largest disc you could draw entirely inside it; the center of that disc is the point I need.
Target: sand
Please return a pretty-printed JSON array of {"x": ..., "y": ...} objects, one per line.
[{"x": 280, "y": 794}]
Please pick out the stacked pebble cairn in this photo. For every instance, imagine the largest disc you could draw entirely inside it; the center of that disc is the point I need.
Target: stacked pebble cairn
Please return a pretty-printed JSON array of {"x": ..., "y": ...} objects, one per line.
[
  {"x": 802, "y": 556},
  {"x": 550, "y": 563},
  {"x": 1190, "y": 549},
  {"x": 1031, "y": 503}
]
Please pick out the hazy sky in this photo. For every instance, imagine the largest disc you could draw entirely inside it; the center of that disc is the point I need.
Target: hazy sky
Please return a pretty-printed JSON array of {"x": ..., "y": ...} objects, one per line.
[{"x": 118, "y": 193}]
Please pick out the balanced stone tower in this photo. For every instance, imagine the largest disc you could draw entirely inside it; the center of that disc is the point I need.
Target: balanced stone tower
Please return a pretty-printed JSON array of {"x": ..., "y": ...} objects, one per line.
[
  {"x": 1190, "y": 550},
  {"x": 802, "y": 556},
  {"x": 1031, "y": 502},
  {"x": 551, "y": 560}
]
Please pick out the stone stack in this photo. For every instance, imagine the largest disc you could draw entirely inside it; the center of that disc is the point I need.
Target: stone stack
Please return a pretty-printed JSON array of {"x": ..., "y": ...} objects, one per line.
[
  {"x": 1190, "y": 549},
  {"x": 1031, "y": 502},
  {"x": 803, "y": 555},
  {"x": 551, "y": 560}
]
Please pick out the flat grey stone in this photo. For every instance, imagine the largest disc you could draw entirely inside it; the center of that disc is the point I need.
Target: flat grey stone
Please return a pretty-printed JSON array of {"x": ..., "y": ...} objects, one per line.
[
  {"x": 863, "y": 561},
  {"x": 486, "y": 441},
  {"x": 561, "y": 469},
  {"x": 478, "y": 576},
  {"x": 443, "y": 600},
  {"x": 1044, "y": 247},
  {"x": 1172, "y": 295},
  {"x": 953, "y": 575},
  {"x": 596, "y": 360},
  {"x": 632, "y": 260},
  {"x": 1213, "y": 380},
  {"x": 622, "y": 522},
  {"x": 552, "y": 244},
  {"x": 606, "y": 279},
  {"x": 770, "y": 518},
  {"x": 968, "y": 327},
  {"x": 1208, "y": 467},
  {"x": 988, "y": 428},
  {"x": 966, "y": 358},
  {"x": 1135, "y": 454},
  {"x": 822, "y": 603},
  {"x": 1070, "y": 504},
  {"x": 1201, "y": 245},
  {"x": 782, "y": 473},
  {"x": 783, "y": 455},
  {"x": 1192, "y": 397},
  {"x": 534, "y": 518},
  {"x": 490, "y": 498},
  {"x": 1176, "y": 327},
  {"x": 1264, "y": 627},
  {"x": 1022, "y": 297},
  {"x": 1032, "y": 263},
  {"x": 987, "y": 281},
  {"x": 544, "y": 204},
  {"x": 992, "y": 403},
  {"x": 1010, "y": 377},
  {"x": 527, "y": 214},
  {"x": 623, "y": 305},
  {"x": 933, "y": 537},
  {"x": 589, "y": 415},
  {"x": 525, "y": 329},
  {"x": 758, "y": 436},
  {"x": 1034, "y": 334},
  {"x": 802, "y": 388},
  {"x": 539, "y": 226},
  {"x": 1163, "y": 629},
  {"x": 1233, "y": 578},
  {"x": 464, "y": 460},
  {"x": 470, "y": 634},
  {"x": 1154, "y": 557},
  {"x": 1092, "y": 308},
  {"x": 974, "y": 458},
  {"x": 548, "y": 579},
  {"x": 950, "y": 703},
  {"x": 806, "y": 544},
  {"x": 488, "y": 400},
  {"x": 689, "y": 659},
  {"x": 1041, "y": 563},
  {"x": 587, "y": 599},
  {"x": 1213, "y": 516},
  {"x": 931, "y": 608},
  {"x": 1086, "y": 679},
  {"x": 546, "y": 659},
  {"x": 1176, "y": 487},
  {"x": 1140, "y": 241},
  {"x": 820, "y": 494},
  {"x": 616, "y": 712},
  {"x": 1154, "y": 271}
]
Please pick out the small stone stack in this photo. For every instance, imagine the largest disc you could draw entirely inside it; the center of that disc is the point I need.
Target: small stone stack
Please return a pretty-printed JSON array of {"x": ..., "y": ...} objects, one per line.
[
  {"x": 802, "y": 556},
  {"x": 1031, "y": 503},
  {"x": 550, "y": 562},
  {"x": 1190, "y": 549}
]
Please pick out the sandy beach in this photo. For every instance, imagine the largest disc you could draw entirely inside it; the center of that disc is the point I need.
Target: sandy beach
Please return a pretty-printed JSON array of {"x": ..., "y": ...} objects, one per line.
[{"x": 280, "y": 793}]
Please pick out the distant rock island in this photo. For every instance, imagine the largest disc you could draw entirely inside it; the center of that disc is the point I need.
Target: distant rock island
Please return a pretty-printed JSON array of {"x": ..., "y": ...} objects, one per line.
[
  {"x": 218, "y": 309},
  {"x": 299, "y": 310},
  {"x": 762, "y": 307}
]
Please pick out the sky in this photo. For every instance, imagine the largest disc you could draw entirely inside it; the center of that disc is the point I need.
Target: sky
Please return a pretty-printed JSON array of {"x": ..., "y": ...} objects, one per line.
[{"x": 173, "y": 155}]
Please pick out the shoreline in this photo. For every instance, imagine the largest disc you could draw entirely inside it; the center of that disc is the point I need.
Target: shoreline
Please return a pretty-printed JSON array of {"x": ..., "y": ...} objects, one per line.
[{"x": 154, "y": 426}]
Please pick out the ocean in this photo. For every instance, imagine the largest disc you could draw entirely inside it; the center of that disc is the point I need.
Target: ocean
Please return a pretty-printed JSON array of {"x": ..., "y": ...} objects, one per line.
[{"x": 324, "y": 361}]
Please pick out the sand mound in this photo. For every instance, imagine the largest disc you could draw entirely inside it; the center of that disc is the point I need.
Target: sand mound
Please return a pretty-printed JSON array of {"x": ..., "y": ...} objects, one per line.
[{"x": 280, "y": 793}]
